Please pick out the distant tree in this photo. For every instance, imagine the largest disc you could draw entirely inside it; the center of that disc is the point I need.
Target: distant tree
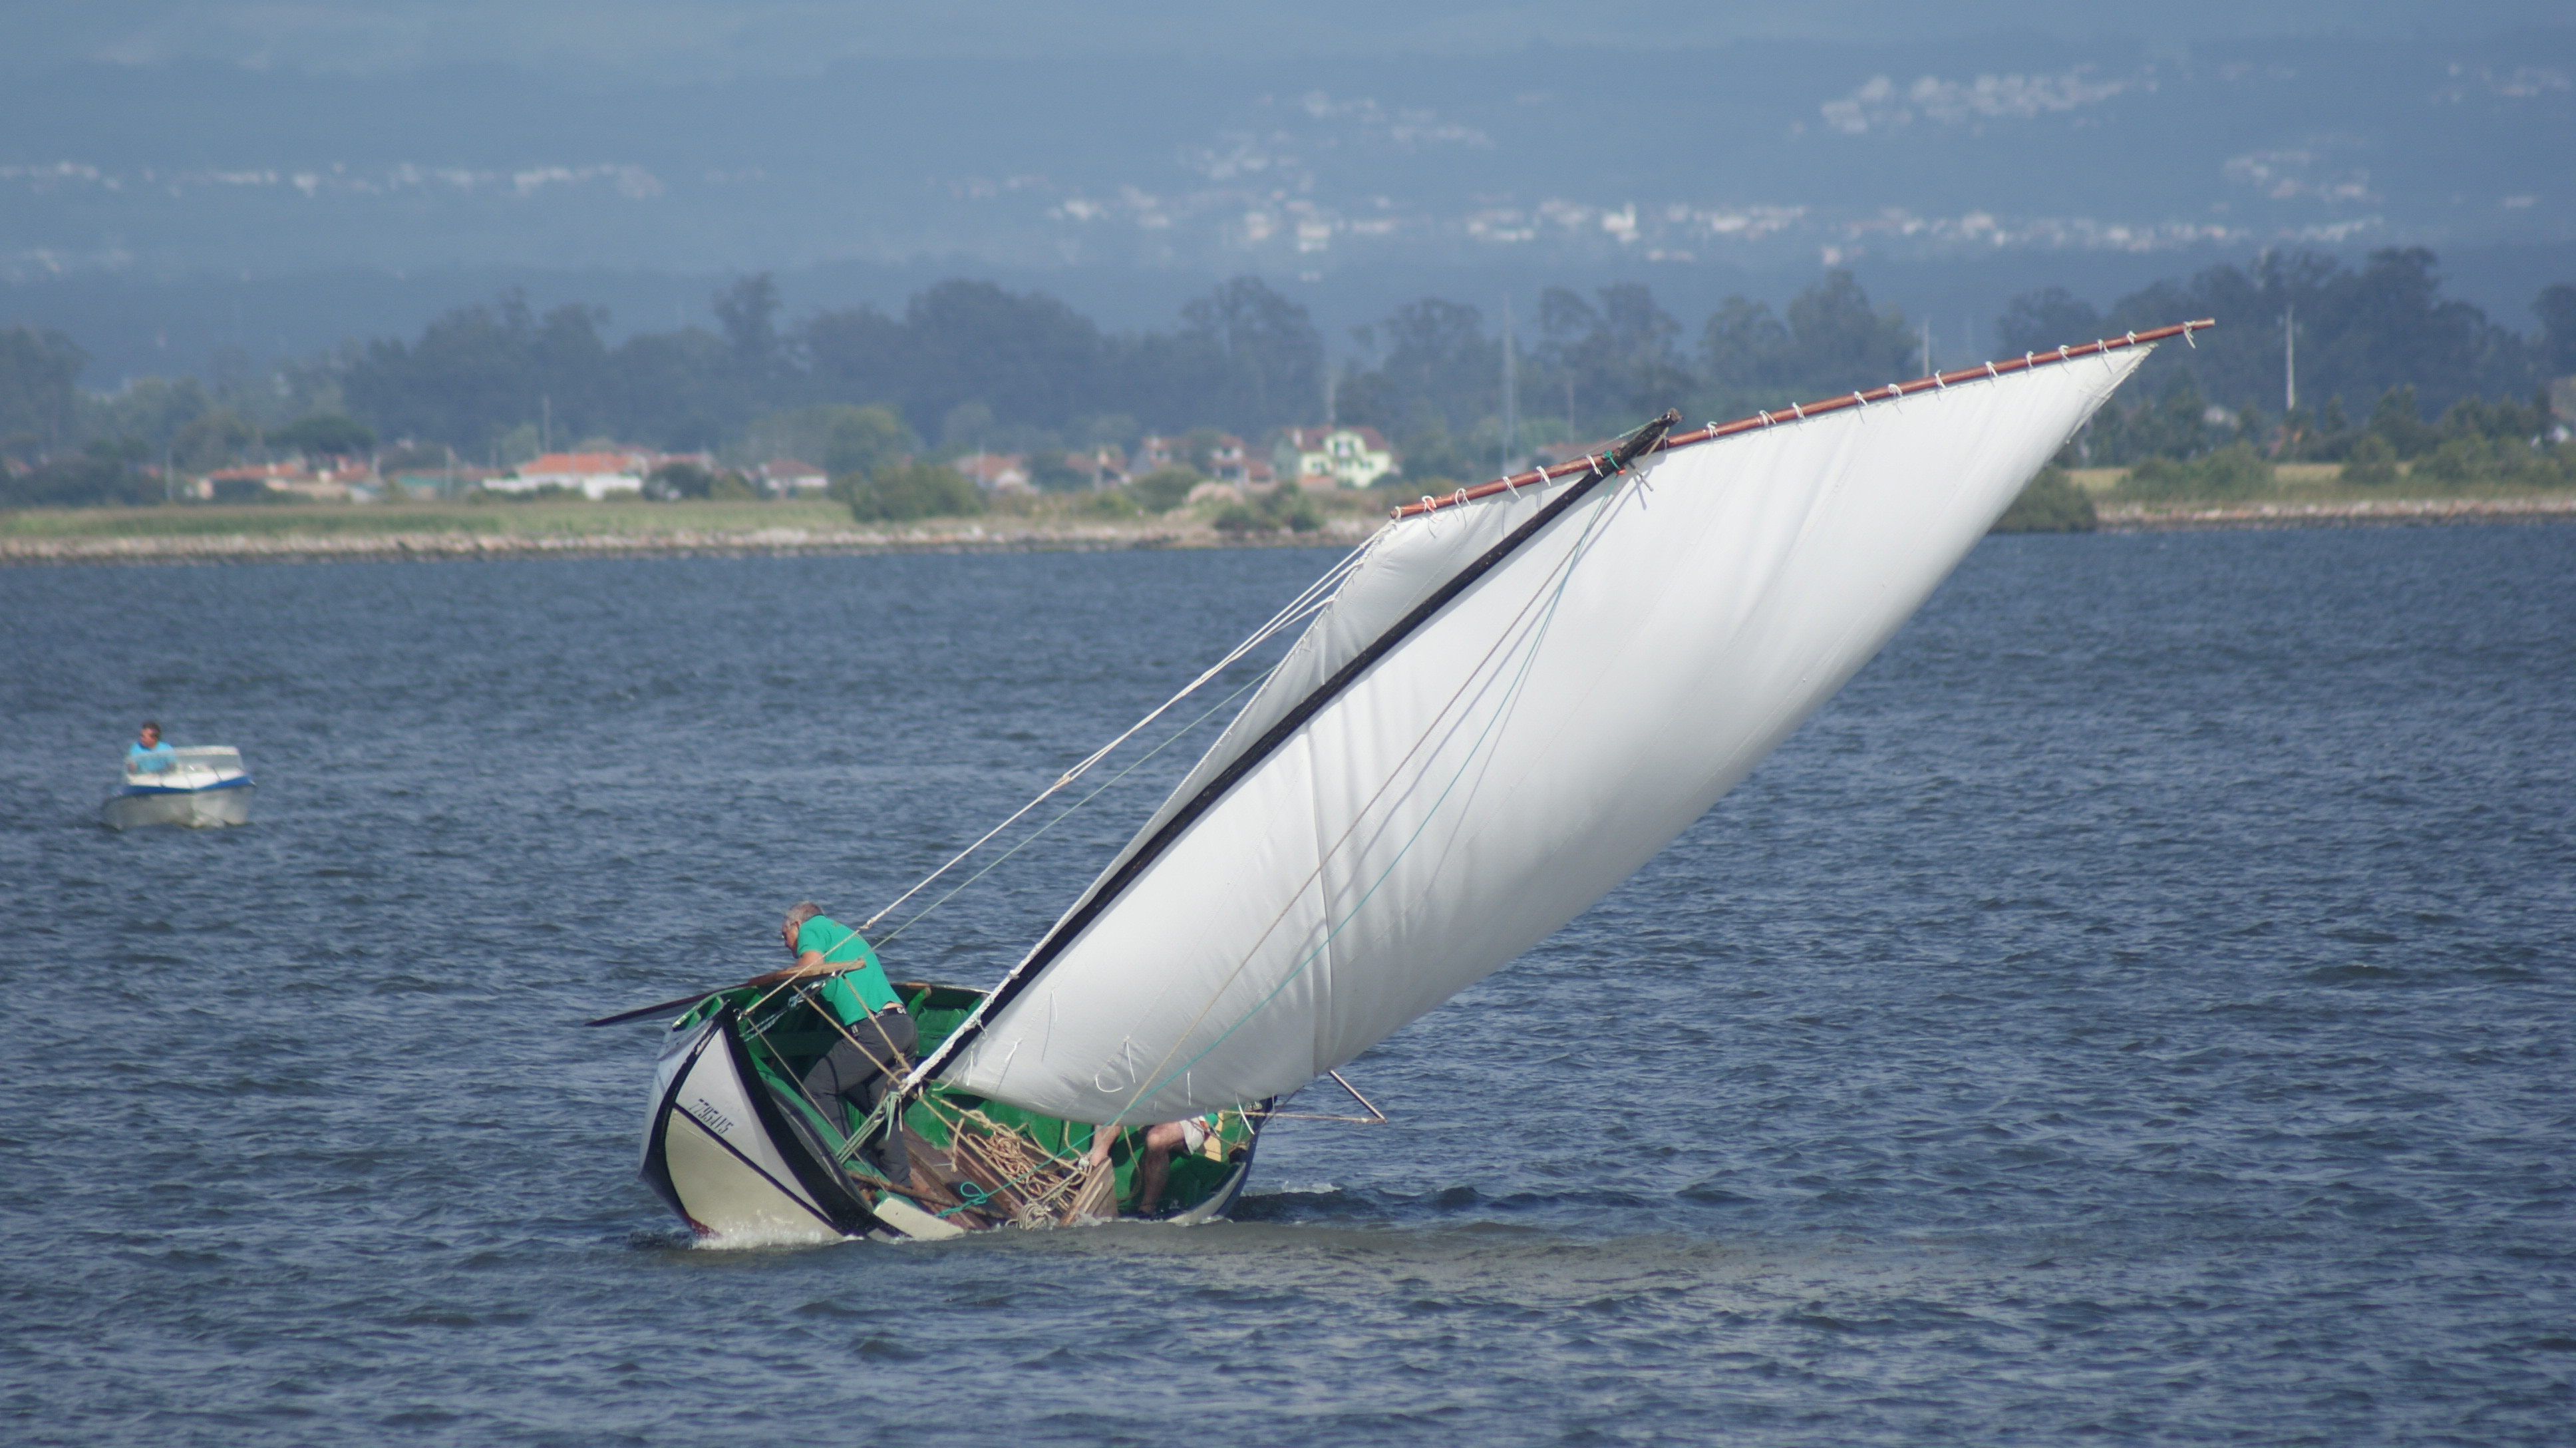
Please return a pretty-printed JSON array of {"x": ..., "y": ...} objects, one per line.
[
  {"x": 1164, "y": 488},
  {"x": 2043, "y": 320},
  {"x": 856, "y": 354},
  {"x": 2370, "y": 461},
  {"x": 479, "y": 372},
  {"x": 2361, "y": 331},
  {"x": 1829, "y": 341},
  {"x": 1437, "y": 357},
  {"x": 1742, "y": 347},
  {"x": 2050, "y": 503},
  {"x": 843, "y": 438},
  {"x": 1619, "y": 355},
  {"x": 153, "y": 409},
  {"x": 1290, "y": 508},
  {"x": 1199, "y": 446},
  {"x": 1836, "y": 340},
  {"x": 1050, "y": 471},
  {"x": 2398, "y": 421},
  {"x": 1244, "y": 355},
  {"x": 902, "y": 492},
  {"x": 2556, "y": 307},
  {"x": 681, "y": 479},
  {"x": 39, "y": 386},
  {"x": 967, "y": 425},
  {"x": 101, "y": 475},
  {"x": 212, "y": 439},
  {"x": 2234, "y": 471},
  {"x": 325, "y": 435},
  {"x": 1029, "y": 357},
  {"x": 747, "y": 310},
  {"x": 865, "y": 439}
]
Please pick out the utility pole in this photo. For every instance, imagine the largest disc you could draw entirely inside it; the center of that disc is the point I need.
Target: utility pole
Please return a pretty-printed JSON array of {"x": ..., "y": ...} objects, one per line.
[
  {"x": 1511, "y": 395},
  {"x": 2289, "y": 359},
  {"x": 545, "y": 424}
]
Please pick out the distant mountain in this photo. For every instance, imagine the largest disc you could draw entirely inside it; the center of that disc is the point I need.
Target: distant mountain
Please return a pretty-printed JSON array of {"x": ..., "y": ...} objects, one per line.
[{"x": 1743, "y": 166}]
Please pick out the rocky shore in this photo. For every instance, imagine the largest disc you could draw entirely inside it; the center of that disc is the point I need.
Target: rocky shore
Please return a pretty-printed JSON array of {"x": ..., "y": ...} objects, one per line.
[
  {"x": 2370, "y": 512},
  {"x": 930, "y": 537},
  {"x": 992, "y": 536}
]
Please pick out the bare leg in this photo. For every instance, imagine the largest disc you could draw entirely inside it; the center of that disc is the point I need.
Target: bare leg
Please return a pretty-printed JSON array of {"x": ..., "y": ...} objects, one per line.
[{"x": 1160, "y": 1142}]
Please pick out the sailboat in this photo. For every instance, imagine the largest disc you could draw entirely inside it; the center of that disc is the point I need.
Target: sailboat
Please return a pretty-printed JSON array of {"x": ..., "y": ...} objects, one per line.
[{"x": 1499, "y": 707}]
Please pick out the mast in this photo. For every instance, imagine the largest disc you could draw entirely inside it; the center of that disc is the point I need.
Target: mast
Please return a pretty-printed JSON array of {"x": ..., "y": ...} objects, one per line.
[{"x": 1511, "y": 394}]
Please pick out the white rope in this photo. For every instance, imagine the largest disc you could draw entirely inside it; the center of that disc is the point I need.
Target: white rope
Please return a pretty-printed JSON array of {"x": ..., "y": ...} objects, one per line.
[
  {"x": 1070, "y": 810},
  {"x": 1315, "y": 596}
]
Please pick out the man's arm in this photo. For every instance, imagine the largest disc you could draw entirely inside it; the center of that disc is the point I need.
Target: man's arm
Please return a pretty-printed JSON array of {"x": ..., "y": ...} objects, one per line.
[{"x": 809, "y": 963}]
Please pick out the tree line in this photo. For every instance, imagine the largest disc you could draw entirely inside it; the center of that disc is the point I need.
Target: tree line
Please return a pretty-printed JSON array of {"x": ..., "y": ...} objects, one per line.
[
  {"x": 2383, "y": 360},
  {"x": 970, "y": 365}
]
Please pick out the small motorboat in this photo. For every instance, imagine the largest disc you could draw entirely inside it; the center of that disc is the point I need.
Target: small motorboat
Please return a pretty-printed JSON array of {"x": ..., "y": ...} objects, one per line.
[{"x": 193, "y": 787}]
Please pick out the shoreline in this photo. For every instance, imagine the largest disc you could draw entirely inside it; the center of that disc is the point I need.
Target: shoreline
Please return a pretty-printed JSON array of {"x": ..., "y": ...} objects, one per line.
[
  {"x": 444, "y": 546},
  {"x": 2352, "y": 513},
  {"x": 975, "y": 537}
]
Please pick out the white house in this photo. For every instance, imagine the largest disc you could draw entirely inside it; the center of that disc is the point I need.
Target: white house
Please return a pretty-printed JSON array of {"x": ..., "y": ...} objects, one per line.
[
  {"x": 789, "y": 478},
  {"x": 1353, "y": 457},
  {"x": 594, "y": 475}
]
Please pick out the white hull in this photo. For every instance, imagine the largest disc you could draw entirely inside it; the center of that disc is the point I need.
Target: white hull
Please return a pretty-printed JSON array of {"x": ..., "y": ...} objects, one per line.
[
  {"x": 720, "y": 1153},
  {"x": 194, "y": 808},
  {"x": 709, "y": 1152}
]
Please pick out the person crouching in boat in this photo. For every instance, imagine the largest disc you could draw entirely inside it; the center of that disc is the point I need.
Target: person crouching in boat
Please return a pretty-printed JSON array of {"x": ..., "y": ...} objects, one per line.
[
  {"x": 1155, "y": 1167},
  {"x": 872, "y": 1053}
]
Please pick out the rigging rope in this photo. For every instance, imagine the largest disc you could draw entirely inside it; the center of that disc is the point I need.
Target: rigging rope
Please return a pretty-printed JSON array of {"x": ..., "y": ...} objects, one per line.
[
  {"x": 1313, "y": 599},
  {"x": 1174, "y": 737}
]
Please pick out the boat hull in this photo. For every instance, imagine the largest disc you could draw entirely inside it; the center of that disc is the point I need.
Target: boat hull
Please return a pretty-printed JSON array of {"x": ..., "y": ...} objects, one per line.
[
  {"x": 222, "y": 804},
  {"x": 743, "y": 1168},
  {"x": 717, "y": 1152}
]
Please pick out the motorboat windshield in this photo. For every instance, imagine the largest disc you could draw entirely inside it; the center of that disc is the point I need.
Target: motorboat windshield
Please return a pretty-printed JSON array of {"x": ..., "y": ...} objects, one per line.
[{"x": 194, "y": 768}]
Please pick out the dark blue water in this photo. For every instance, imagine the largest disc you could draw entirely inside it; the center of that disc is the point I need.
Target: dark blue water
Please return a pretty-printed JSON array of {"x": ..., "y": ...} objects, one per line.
[{"x": 2138, "y": 1010}]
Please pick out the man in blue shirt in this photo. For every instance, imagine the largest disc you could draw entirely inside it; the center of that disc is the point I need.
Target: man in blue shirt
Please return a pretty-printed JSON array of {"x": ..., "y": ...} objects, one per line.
[{"x": 149, "y": 755}]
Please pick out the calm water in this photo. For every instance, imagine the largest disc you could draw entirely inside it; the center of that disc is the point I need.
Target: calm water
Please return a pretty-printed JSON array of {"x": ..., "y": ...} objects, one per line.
[{"x": 2139, "y": 1009}]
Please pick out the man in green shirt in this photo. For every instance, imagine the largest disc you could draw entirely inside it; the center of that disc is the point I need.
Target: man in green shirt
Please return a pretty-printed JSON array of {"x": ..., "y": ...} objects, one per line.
[{"x": 878, "y": 1036}]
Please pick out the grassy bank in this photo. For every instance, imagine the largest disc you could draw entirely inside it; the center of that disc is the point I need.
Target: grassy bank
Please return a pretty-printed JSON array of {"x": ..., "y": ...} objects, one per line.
[
  {"x": 323, "y": 520},
  {"x": 2302, "y": 483}
]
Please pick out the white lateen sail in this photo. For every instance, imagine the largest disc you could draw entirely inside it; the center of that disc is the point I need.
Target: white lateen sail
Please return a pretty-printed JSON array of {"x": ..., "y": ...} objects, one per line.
[{"x": 1510, "y": 704}]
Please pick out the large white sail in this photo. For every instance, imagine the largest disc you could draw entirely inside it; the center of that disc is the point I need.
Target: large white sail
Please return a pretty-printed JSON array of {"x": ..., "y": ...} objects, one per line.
[{"x": 1386, "y": 823}]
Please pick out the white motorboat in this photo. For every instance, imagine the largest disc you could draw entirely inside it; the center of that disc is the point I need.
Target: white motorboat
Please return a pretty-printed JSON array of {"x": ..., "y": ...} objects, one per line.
[{"x": 193, "y": 787}]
